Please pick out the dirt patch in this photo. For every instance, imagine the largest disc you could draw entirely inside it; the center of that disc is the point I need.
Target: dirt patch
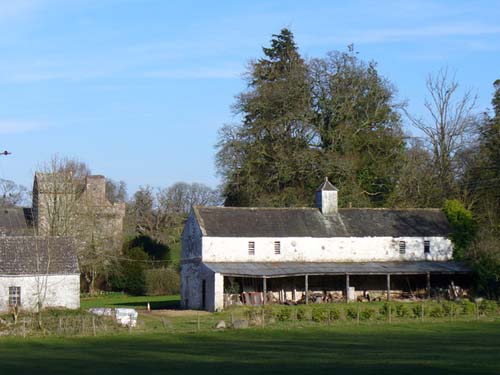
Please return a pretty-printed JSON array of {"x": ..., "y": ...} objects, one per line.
[{"x": 174, "y": 313}]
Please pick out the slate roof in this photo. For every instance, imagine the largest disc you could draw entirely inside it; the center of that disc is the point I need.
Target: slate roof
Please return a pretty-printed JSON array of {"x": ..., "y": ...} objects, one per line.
[
  {"x": 327, "y": 185},
  {"x": 282, "y": 269},
  {"x": 310, "y": 222},
  {"x": 31, "y": 255},
  {"x": 15, "y": 221}
]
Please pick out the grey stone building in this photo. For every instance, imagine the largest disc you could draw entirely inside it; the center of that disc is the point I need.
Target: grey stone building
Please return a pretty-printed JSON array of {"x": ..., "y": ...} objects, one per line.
[{"x": 67, "y": 206}]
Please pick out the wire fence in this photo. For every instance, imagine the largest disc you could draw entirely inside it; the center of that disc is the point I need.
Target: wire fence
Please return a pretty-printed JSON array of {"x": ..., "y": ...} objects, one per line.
[{"x": 82, "y": 323}]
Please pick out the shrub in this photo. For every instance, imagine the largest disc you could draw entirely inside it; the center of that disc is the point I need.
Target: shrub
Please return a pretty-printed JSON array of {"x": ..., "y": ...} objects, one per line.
[
  {"x": 165, "y": 280},
  {"x": 128, "y": 275},
  {"x": 384, "y": 310},
  {"x": 320, "y": 314},
  {"x": 488, "y": 307},
  {"x": 467, "y": 308},
  {"x": 436, "y": 311},
  {"x": 351, "y": 313},
  {"x": 284, "y": 314},
  {"x": 451, "y": 308},
  {"x": 334, "y": 314},
  {"x": 367, "y": 314},
  {"x": 417, "y": 310},
  {"x": 301, "y": 313},
  {"x": 402, "y": 311}
]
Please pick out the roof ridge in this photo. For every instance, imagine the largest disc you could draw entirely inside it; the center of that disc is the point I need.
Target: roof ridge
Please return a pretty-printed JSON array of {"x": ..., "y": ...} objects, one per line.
[{"x": 256, "y": 208}]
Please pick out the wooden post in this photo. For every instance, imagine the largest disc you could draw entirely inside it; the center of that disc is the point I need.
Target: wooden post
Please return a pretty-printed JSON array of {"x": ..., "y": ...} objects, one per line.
[
  {"x": 264, "y": 290},
  {"x": 347, "y": 287},
  {"x": 428, "y": 286},
  {"x": 388, "y": 287},
  {"x": 307, "y": 289}
]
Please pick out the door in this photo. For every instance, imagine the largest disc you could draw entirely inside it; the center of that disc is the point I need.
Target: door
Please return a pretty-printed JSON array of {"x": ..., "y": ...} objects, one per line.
[{"x": 204, "y": 294}]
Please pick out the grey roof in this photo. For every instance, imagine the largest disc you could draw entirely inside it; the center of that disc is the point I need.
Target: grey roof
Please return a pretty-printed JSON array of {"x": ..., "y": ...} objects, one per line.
[
  {"x": 310, "y": 222},
  {"x": 15, "y": 221},
  {"x": 31, "y": 255},
  {"x": 327, "y": 185},
  {"x": 282, "y": 269}
]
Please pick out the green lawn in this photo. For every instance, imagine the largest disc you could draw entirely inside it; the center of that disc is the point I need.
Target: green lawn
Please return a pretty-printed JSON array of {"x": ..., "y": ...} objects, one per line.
[
  {"x": 429, "y": 348},
  {"x": 136, "y": 302}
]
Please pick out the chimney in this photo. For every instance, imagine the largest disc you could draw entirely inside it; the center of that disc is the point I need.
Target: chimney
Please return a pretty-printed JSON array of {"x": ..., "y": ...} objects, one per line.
[{"x": 326, "y": 198}]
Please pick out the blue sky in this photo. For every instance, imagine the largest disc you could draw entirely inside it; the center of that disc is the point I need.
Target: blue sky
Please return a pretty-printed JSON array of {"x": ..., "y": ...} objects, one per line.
[{"x": 138, "y": 88}]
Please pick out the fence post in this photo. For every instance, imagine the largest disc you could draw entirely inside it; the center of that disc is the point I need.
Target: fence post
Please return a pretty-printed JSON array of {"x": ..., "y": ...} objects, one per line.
[
  {"x": 263, "y": 318},
  {"x": 93, "y": 325},
  {"x": 389, "y": 313}
]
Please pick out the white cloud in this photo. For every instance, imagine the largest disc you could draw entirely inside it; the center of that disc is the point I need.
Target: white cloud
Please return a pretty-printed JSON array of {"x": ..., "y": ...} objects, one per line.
[{"x": 20, "y": 127}]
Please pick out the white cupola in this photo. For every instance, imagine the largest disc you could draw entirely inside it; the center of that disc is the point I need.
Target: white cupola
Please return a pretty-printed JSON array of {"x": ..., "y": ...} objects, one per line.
[{"x": 326, "y": 198}]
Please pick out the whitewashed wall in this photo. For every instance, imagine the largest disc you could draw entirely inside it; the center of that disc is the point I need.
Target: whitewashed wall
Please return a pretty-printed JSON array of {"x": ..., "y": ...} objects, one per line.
[
  {"x": 343, "y": 249},
  {"x": 61, "y": 291}
]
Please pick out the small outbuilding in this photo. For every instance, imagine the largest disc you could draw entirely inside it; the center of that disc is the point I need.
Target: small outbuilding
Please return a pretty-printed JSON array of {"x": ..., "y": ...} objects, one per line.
[{"x": 38, "y": 271}]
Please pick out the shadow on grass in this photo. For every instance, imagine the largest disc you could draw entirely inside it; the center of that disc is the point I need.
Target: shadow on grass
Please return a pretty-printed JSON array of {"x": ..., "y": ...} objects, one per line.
[{"x": 427, "y": 349}]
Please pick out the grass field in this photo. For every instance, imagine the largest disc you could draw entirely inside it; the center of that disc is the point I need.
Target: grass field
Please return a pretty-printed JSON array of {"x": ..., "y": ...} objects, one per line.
[
  {"x": 136, "y": 302},
  {"x": 430, "y": 348}
]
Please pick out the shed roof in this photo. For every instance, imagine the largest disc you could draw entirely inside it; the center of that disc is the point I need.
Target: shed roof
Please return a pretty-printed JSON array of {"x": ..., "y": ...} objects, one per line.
[
  {"x": 283, "y": 269},
  {"x": 310, "y": 222},
  {"x": 31, "y": 255}
]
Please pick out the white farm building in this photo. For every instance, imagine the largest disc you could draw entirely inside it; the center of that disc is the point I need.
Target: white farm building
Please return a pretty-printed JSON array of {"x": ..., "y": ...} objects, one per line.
[
  {"x": 265, "y": 255},
  {"x": 35, "y": 271}
]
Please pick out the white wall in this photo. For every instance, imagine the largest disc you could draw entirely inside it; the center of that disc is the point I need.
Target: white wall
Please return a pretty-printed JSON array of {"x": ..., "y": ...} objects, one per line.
[
  {"x": 60, "y": 291},
  {"x": 342, "y": 249}
]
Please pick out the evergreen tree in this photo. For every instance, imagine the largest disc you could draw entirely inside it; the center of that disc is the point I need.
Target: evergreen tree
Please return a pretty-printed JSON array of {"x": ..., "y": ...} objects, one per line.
[
  {"x": 267, "y": 159},
  {"x": 358, "y": 127}
]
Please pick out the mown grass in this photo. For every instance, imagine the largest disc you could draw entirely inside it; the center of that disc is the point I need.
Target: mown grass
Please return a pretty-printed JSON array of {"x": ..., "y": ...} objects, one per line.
[
  {"x": 136, "y": 302},
  {"x": 427, "y": 348}
]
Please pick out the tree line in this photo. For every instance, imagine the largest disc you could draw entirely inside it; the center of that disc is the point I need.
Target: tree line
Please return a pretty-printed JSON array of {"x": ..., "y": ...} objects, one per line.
[{"x": 337, "y": 116}]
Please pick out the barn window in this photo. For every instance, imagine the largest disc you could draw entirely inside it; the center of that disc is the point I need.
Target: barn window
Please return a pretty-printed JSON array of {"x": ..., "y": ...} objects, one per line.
[
  {"x": 15, "y": 295},
  {"x": 277, "y": 247},
  {"x": 427, "y": 247},
  {"x": 251, "y": 248},
  {"x": 402, "y": 247}
]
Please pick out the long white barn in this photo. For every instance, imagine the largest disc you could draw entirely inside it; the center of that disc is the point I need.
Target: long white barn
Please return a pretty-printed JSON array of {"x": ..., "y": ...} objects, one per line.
[{"x": 288, "y": 252}]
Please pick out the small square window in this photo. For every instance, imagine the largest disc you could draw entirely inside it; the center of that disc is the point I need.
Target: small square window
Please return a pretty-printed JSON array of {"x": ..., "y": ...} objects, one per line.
[
  {"x": 277, "y": 247},
  {"x": 251, "y": 248},
  {"x": 402, "y": 247},
  {"x": 427, "y": 247},
  {"x": 15, "y": 296}
]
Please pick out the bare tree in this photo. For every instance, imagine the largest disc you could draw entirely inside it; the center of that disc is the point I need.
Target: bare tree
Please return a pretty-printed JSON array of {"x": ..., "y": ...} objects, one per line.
[
  {"x": 12, "y": 194},
  {"x": 450, "y": 126}
]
